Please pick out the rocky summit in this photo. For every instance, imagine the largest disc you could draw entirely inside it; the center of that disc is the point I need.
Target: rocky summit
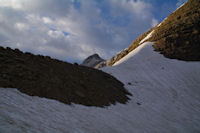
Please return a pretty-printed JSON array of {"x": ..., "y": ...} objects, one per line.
[{"x": 92, "y": 60}]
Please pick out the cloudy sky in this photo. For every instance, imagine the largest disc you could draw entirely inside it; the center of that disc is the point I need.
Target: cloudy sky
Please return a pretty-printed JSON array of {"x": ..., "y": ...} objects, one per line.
[{"x": 71, "y": 30}]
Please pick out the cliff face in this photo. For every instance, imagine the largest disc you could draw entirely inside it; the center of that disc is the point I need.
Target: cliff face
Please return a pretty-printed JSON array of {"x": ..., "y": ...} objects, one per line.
[{"x": 177, "y": 37}]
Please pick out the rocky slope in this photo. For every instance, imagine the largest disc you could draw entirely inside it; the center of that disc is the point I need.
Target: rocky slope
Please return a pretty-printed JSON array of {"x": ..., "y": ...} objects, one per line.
[
  {"x": 177, "y": 37},
  {"x": 45, "y": 77},
  {"x": 92, "y": 60}
]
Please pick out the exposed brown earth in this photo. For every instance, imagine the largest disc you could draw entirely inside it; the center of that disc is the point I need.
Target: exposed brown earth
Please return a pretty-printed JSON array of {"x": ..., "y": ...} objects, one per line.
[
  {"x": 50, "y": 78},
  {"x": 178, "y": 36}
]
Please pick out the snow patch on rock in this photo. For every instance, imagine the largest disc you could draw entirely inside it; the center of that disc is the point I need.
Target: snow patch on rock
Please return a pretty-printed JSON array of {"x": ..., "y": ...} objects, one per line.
[{"x": 147, "y": 37}]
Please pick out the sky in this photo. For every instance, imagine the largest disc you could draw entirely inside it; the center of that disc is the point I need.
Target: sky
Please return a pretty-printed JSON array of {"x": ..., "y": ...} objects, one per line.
[{"x": 71, "y": 30}]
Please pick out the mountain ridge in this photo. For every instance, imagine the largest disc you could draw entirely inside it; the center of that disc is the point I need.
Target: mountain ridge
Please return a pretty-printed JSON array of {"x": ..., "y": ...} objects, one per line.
[{"x": 171, "y": 36}]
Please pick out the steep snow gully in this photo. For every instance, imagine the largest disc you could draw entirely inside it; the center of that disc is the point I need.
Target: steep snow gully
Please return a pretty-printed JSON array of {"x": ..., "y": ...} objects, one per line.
[{"x": 166, "y": 99}]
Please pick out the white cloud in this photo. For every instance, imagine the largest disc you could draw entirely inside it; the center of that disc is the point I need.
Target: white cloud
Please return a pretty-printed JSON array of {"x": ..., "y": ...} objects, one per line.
[
  {"x": 154, "y": 22},
  {"x": 11, "y": 3},
  {"x": 61, "y": 30},
  {"x": 55, "y": 34},
  {"x": 47, "y": 20},
  {"x": 138, "y": 8},
  {"x": 34, "y": 18},
  {"x": 21, "y": 26}
]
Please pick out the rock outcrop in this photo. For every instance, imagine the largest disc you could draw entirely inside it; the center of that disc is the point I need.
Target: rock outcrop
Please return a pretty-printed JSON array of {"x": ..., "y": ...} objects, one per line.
[{"x": 92, "y": 60}]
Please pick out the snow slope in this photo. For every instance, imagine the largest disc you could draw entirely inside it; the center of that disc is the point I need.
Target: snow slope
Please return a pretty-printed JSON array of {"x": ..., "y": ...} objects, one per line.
[
  {"x": 147, "y": 37},
  {"x": 168, "y": 91}
]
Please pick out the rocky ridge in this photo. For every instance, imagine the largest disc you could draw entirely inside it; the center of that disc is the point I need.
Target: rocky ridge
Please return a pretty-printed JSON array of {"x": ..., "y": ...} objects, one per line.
[{"x": 177, "y": 37}]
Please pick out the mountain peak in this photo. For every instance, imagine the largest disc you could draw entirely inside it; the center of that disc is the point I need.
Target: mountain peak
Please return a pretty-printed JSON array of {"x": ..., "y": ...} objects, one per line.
[{"x": 92, "y": 60}]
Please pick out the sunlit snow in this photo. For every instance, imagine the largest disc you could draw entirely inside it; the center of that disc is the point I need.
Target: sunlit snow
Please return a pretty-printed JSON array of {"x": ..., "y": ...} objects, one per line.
[{"x": 147, "y": 37}]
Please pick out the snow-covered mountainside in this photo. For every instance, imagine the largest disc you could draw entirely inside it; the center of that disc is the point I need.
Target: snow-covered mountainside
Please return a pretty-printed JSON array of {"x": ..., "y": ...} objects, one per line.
[
  {"x": 165, "y": 92},
  {"x": 177, "y": 37},
  {"x": 166, "y": 99},
  {"x": 92, "y": 60}
]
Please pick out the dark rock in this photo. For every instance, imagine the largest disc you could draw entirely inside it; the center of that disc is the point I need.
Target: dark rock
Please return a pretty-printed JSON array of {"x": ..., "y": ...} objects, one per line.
[
  {"x": 76, "y": 64},
  {"x": 50, "y": 78},
  {"x": 92, "y": 61}
]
